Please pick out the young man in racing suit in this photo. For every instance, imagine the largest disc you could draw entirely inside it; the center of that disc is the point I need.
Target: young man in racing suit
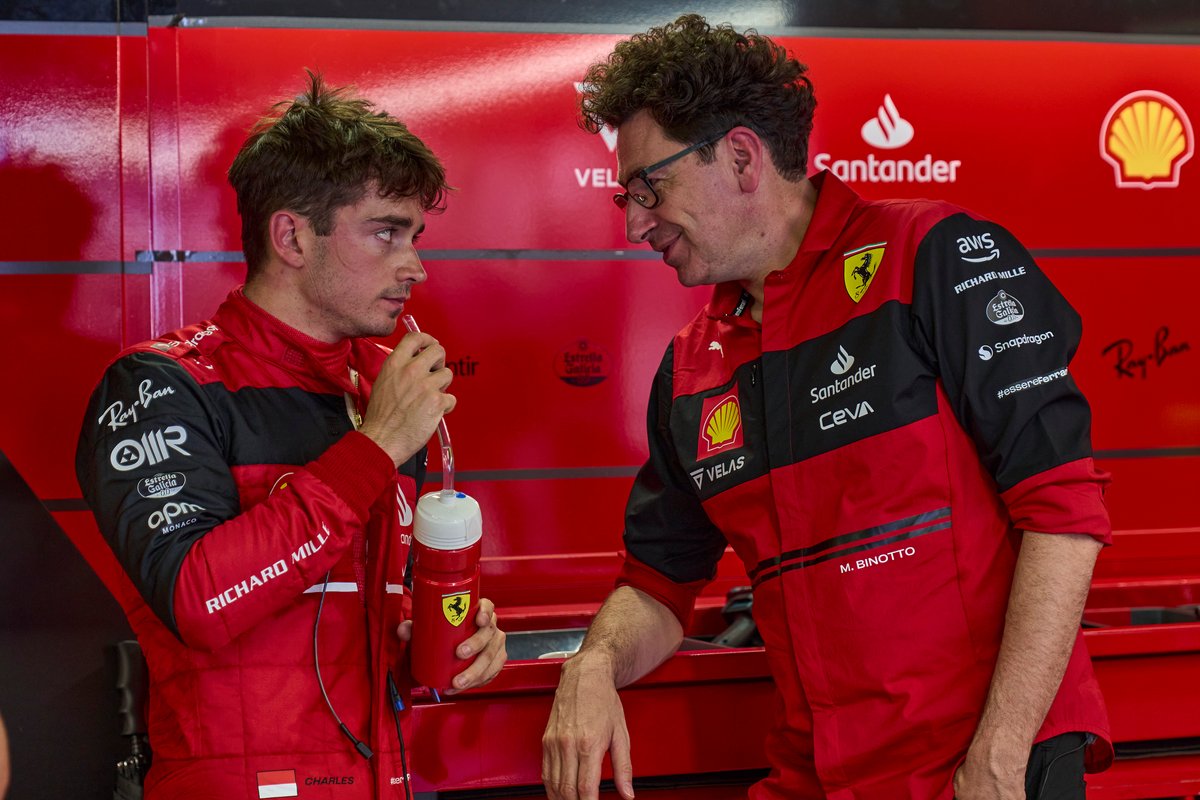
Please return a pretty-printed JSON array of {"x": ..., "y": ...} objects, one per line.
[
  {"x": 255, "y": 474},
  {"x": 874, "y": 411}
]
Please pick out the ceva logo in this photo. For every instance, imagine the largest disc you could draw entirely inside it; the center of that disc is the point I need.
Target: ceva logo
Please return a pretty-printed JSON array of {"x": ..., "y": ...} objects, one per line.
[
  {"x": 1147, "y": 138},
  {"x": 887, "y": 130}
]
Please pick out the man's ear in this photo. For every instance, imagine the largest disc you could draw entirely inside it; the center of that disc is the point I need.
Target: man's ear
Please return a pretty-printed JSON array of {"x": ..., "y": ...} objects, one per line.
[
  {"x": 749, "y": 157},
  {"x": 285, "y": 228}
]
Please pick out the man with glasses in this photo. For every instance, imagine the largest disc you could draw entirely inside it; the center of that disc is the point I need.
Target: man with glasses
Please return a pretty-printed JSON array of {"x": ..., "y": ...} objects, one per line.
[{"x": 874, "y": 412}]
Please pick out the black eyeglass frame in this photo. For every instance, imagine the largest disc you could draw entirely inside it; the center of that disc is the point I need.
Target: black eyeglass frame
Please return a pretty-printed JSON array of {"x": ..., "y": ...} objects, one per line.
[{"x": 622, "y": 198}]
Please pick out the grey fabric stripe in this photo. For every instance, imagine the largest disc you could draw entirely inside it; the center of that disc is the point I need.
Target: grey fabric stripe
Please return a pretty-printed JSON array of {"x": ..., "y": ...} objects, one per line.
[{"x": 73, "y": 268}]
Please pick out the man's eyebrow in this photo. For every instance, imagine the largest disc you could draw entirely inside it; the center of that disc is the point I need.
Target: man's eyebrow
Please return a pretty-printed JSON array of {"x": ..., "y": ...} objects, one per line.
[{"x": 393, "y": 219}]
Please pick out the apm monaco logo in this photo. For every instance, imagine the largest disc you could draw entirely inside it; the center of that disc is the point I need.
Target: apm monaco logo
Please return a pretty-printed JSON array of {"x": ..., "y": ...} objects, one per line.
[
  {"x": 581, "y": 364},
  {"x": 860, "y": 266},
  {"x": 888, "y": 130},
  {"x": 720, "y": 424},
  {"x": 1147, "y": 138},
  {"x": 603, "y": 177}
]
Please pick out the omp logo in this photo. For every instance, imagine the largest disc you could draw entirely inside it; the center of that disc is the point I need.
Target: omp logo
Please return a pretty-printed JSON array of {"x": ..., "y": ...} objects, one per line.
[
  {"x": 1147, "y": 138},
  {"x": 831, "y": 419},
  {"x": 842, "y": 364},
  {"x": 720, "y": 424},
  {"x": 166, "y": 518},
  {"x": 151, "y": 449},
  {"x": 887, "y": 130}
]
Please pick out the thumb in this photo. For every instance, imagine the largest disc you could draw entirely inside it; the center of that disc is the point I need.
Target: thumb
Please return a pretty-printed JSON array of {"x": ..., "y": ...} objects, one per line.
[{"x": 404, "y": 630}]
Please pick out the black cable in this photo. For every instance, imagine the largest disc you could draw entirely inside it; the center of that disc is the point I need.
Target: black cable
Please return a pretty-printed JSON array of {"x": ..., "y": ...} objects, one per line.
[
  {"x": 359, "y": 745},
  {"x": 1046, "y": 772},
  {"x": 397, "y": 706}
]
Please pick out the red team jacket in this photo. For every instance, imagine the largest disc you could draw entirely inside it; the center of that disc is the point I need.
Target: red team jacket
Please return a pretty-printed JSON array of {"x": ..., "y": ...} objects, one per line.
[
  {"x": 223, "y": 469},
  {"x": 871, "y": 453}
]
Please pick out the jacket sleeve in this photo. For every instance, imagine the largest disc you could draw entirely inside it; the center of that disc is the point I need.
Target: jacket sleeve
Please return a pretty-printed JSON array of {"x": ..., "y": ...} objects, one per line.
[
  {"x": 672, "y": 547},
  {"x": 151, "y": 463},
  {"x": 1001, "y": 337}
]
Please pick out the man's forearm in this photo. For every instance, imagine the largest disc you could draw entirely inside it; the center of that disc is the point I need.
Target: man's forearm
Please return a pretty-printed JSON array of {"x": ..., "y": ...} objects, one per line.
[
  {"x": 632, "y": 634},
  {"x": 1050, "y": 586}
]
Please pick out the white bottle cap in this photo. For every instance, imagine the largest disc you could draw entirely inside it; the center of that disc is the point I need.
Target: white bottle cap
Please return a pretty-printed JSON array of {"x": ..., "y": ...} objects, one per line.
[{"x": 449, "y": 522}]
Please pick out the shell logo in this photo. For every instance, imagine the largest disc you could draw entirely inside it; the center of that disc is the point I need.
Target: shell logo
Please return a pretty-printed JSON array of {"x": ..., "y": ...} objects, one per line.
[
  {"x": 1147, "y": 137},
  {"x": 720, "y": 424}
]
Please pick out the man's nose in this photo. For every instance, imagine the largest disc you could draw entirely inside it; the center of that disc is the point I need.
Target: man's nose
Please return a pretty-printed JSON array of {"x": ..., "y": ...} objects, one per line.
[
  {"x": 411, "y": 268},
  {"x": 639, "y": 222}
]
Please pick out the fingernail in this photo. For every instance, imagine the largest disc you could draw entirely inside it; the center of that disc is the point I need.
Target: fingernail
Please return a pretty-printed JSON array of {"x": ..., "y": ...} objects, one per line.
[{"x": 463, "y": 651}]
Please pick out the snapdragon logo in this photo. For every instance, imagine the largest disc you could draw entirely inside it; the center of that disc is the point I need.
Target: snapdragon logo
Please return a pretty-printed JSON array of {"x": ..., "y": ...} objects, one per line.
[{"x": 988, "y": 352}]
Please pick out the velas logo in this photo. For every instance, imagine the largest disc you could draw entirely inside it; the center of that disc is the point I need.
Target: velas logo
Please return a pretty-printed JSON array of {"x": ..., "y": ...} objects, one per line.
[
  {"x": 601, "y": 177},
  {"x": 859, "y": 267},
  {"x": 581, "y": 364},
  {"x": 720, "y": 424},
  {"x": 887, "y": 130},
  {"x": 1147, "y": 138}
]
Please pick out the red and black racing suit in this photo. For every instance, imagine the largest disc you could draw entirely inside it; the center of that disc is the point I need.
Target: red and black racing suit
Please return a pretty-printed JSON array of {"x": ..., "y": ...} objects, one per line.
[
  {"x": 872, "y": 452},
  {"x": 223, "y": 469}
]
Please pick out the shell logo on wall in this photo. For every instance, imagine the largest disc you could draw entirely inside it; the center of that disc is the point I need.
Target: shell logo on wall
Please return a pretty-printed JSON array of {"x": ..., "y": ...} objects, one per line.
[{"x": 1147, "y": 138}]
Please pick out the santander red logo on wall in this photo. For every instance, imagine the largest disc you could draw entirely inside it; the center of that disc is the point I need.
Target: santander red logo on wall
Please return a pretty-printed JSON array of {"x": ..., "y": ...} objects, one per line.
[{"x": 1147, "y": 138}]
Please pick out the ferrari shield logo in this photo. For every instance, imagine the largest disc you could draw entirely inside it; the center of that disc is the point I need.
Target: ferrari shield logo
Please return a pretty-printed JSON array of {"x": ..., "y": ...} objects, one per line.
[
  {"x": 455, "y": 607},
  {"x": 859, "y": 268}
]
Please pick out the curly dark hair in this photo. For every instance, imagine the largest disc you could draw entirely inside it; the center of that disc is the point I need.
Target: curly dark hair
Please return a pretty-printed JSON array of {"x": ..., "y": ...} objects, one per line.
[
  {"x": 697, "y": 80},
  {"x": 321, "y": 152}
]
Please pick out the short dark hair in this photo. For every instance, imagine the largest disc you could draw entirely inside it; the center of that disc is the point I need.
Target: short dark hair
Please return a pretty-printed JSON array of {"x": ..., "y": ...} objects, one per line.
[
  {"x": 698, "y": 80},
  {"x": 321, "y": 152}
]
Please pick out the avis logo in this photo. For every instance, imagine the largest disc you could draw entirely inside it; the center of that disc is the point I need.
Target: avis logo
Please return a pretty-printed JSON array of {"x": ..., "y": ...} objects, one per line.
[
  {"x": 887, "y": 130},
  {"x": 973, "y": 244}
]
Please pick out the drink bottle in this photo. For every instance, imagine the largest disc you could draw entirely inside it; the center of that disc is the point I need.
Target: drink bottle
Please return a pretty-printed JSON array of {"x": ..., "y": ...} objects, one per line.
[{"x": 447, "y": 528}]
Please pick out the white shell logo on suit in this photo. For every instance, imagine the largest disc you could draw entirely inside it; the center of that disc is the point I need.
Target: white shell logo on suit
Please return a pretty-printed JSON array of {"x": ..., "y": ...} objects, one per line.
[{"x": 151, "y": 449}]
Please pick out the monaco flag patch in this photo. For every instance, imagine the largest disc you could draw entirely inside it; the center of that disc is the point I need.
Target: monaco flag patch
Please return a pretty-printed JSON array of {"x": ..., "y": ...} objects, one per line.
[{"x": 278, "y": 783}]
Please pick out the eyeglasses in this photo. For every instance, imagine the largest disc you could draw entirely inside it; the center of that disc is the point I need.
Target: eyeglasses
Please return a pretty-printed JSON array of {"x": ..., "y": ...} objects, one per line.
[{"x": 640, "y": 187}]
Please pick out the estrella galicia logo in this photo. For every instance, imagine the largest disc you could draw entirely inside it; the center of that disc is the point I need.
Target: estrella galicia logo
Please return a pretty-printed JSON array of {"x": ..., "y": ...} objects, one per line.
[
  {"x": 164, "y": 484},
  {"x": 582, "y": 364},
  {"x": 1004, "y": 309}
]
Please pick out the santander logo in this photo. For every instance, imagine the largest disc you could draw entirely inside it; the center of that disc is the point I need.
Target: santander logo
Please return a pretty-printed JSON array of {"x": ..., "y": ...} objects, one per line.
[{"x": 887, "y": 130}]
